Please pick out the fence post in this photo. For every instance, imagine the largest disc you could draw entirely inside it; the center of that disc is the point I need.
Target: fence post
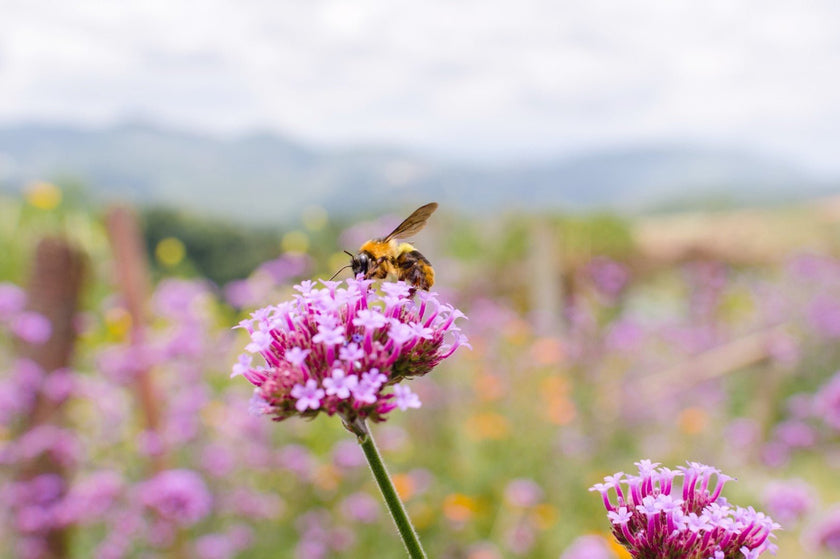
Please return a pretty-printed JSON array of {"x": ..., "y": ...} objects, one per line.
[
  {"x": 134, "y": 284},
  {"x": 53, "y": 291}
]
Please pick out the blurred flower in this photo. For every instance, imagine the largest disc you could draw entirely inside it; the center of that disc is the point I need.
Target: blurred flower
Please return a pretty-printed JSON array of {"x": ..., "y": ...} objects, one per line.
[
  {"x": 484, "y": 550},
  {"x": 59, "y": 385},
  {"x": 214, "y": 546},
  {"x": 360, "y": 507},
  {"x": 609, "y": 276},
  {"x": 521, "y": 537},
  {"x": 459, "y": 508},
  {"x": 588, "y": 547},
  {"x": 624, "y": 335},
  {"x": 742, "y": 433},
  {"x": 695, "y": 524},
  {"x": 827, "y": 401},
  {"x": 824, "y": 316},
  {"x": 179, "y": 496},
  {"x": 795, "y": 433},
  {"x": 285, "y": 266},
  {"x": 789, "y": 501},
  {"x": 91, "y": 498},
  {"x": 59, "y": 445},
  {"x": 32, "y": 327},
  {"x": 335, "y": 350},
  {"x": 347, "y": 454},
  {"x": 251, "y": 504},
  {"x": 784, "y": 349},
  {"x": 825, "y": 534},
  {"x": 259, "y": 285},
  {"x": 775, "y": 454},
  {"x": 800, "y": 406},
  {"x": 122, "y": 363},
  {"x": 523, "y": 493},
  {"x": 12, "y": 300},
  {"x": 43, "y": 195}
]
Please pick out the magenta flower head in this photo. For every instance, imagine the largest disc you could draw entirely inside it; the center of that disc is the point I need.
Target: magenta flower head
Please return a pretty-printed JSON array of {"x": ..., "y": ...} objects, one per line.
[
  {"x": 652, "y": 519},
  {"x": 179, "y": 496},
  {"x": 343, "y": 349}
]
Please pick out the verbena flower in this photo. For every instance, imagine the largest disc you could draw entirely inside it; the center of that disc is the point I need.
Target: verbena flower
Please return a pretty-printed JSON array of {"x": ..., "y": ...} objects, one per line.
[
  {"x": 789, "y": 501},
  {"x": 654, "y": 521},
  {"x": 827, "y": 401},
  {"x": 179, "y": 496},
  {"x": 343, "y": 349},
  {"x": 825, "y": 534}
]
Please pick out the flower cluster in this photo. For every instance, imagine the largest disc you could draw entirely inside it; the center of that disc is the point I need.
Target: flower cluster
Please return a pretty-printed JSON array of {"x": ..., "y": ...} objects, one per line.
[
  {"x": 652, "y": 521},
  {"x": 29, "y": 326},
  {"x": 337, "y": 349}
]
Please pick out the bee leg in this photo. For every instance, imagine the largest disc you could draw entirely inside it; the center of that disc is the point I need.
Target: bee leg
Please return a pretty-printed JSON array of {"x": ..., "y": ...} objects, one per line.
[{"x": 378, "y": 269}]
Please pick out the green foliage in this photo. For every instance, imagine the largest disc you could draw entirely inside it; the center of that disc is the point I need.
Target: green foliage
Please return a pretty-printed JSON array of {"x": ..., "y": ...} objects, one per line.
[{"x": 220, "y": 251}]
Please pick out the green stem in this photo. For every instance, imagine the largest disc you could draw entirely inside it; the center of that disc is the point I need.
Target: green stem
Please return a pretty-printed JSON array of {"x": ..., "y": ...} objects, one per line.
[{"x": 386, "y": 486}]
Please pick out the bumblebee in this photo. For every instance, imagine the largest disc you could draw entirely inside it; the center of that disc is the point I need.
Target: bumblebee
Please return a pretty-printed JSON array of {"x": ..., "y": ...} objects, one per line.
[{"x": 386, "y": 258}]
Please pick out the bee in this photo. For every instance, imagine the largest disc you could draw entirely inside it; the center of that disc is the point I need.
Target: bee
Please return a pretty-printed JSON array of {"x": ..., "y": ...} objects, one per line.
[{"x": 386, "y": 258}]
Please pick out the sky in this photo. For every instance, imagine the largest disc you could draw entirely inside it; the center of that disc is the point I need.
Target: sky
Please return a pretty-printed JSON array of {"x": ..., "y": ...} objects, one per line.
[{"x": 485, "y": 80}]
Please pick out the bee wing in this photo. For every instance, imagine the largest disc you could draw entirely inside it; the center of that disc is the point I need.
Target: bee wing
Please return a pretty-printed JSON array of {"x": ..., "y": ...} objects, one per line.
[{"x": 413, "y": 223}]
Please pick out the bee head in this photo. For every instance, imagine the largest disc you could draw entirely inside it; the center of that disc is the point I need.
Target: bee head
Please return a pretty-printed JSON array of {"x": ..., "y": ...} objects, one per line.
[{"x": 360, "y": 263}]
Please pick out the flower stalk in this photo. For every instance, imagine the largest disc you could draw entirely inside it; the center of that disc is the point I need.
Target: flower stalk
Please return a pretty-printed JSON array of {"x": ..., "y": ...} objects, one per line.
[{"x": 389, "y": 492}]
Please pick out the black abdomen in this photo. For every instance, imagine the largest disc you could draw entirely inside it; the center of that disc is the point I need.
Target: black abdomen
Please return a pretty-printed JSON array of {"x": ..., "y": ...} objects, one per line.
[{"x": 414, "y": 268}]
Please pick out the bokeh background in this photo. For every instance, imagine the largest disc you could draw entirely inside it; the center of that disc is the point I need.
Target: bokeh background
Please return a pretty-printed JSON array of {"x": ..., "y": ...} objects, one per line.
[{"x": 639, "y": 214}]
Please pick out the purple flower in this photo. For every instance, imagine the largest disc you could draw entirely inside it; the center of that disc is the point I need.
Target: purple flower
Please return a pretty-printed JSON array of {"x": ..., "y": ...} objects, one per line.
[
  {"x": 651, "y": 519},
  {"x": 91, "y": 498},
  {"x": 12, "y": 300},
  {"x": 588, "y": 547},
  {"x": 609, "y": 276},
  {"x": 242, "y": 366},
  {"x": 296, "y": 356},
  {"x": 336, "y": 349},
  {"x": 824, "y": 316},
  {"x": 366, "y": 390},
  {"x": 340, "y": 384},
  {"x": 32, "y": 327},
  {"x": 789, "y": 501},
  {"x": 308, "y": 396},
  {"x": 360, "y": 507},
  {"x": 825, "y": 534},
  {"x": 523, "y": 493},
  {"x": 795, "y": 434},
  {"x": 214, "y": 546},
  {"x": 827, "y": 401},
  {"x": 404, "y": 398},
  {"x": 178, "y": 496}
]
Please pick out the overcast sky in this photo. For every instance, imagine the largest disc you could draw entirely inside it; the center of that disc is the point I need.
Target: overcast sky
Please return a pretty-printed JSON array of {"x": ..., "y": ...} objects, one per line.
[{"x": 481, "y": 79}]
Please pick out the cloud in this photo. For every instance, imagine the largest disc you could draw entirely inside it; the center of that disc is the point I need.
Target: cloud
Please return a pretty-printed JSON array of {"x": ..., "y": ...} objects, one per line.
[{"x": 473, "y": 79}]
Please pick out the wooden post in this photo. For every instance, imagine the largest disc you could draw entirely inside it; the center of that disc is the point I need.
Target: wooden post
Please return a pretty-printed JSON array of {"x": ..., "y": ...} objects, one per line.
[
  {"x": 133, "y": 277},
  {"x": 546, "y": 280},
  {"x": 53, "y": 291}
]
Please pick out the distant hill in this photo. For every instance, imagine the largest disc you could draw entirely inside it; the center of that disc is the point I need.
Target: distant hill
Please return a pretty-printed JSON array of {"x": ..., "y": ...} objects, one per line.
[{"x": 267, "y": 177}]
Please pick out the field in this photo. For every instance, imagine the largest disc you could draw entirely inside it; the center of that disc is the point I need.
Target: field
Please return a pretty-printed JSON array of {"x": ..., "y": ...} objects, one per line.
[{"x": 596, "y": 341}]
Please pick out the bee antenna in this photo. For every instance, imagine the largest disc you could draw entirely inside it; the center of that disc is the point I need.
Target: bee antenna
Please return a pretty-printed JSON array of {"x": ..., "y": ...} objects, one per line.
[
  {"x": 339, "y": 271},
  {"x": 348, "y": 253}
]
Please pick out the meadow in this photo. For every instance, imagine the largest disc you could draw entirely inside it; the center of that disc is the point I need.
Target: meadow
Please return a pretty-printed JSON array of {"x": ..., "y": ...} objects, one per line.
[{"x": 596, "y": 341}]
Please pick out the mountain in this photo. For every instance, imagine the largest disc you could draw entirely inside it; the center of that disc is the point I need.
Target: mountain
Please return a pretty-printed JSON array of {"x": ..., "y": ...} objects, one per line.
[{"x": 265, "y": 177}]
